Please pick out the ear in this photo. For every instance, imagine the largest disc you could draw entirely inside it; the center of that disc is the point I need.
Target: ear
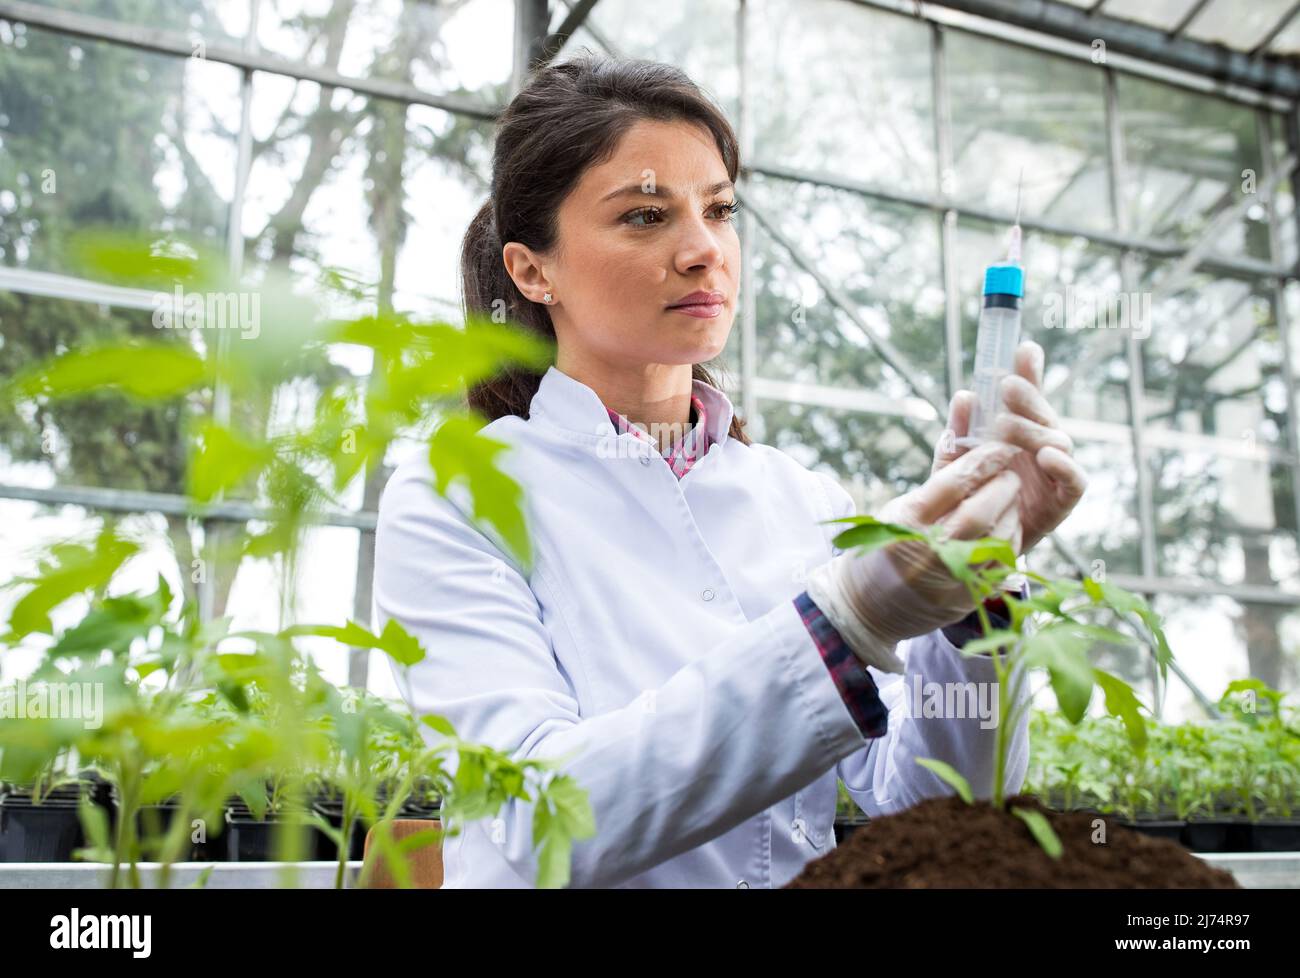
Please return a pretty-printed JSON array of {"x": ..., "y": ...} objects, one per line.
[{"x": 524, "y": 266}]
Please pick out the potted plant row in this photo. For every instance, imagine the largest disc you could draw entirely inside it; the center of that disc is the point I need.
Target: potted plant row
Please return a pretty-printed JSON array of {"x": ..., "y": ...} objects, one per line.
[{"x": 1231, "y": 784}]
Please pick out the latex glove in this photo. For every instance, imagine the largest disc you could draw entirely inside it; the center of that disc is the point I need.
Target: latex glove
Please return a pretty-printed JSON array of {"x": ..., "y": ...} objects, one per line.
[
  {"x": 877, "y": 599},
  {"x": 1051, "y": 481}
]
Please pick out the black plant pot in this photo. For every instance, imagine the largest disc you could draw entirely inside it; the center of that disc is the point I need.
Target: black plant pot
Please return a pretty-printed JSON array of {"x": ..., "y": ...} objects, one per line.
[
  {"x": 332, "y": 811},
  {"x": 846, "y": 825},
  {"x": 412, "y": 808},
  {"x": 1275, "y": 835},
  {"x": 250, "y": 839},
  {"x": 1217, "y": 835},
  {"x": 48, "y": 832},
  {"x": 1159, "y": 828},
  {"x": 156, "y": 820}
]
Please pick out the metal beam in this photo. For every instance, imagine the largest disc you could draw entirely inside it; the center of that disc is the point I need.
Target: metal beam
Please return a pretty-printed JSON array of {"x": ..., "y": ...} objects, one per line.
[
  {"x": 170, "y": 504},
  {"x": 532, "y": 19},
  {"x": 1128, "y": 37},
  {"x": 1158, "y": 247},
  {"x": 158, "y": 41},
  {"x": 576, "y": 17}
]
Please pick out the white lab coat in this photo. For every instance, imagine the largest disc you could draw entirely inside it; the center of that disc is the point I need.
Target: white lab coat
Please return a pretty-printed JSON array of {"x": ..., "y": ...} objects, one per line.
[{"x": 656, "y": 635}]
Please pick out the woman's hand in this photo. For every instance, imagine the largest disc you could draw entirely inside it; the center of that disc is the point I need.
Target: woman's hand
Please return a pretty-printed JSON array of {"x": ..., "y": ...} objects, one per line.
[
  {"x": 879, "y": 598},
  {"x": 1051, "y": 481}
]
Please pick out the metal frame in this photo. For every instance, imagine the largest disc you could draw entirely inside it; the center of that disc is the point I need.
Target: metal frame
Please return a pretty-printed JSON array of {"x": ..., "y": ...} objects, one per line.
[
  {"x": 1152, "y": 44},
  {"x": 533, "y": 36}
]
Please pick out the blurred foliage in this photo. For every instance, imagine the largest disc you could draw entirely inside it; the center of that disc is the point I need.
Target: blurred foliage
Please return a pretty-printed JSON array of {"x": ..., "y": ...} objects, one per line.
[{"x": 195, "y": 714}]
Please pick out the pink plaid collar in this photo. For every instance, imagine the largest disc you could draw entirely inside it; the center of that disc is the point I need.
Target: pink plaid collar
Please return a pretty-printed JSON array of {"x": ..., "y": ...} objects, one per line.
[
  {"x": 684, "y": 450},
  {"x": 567, "y": 404}
]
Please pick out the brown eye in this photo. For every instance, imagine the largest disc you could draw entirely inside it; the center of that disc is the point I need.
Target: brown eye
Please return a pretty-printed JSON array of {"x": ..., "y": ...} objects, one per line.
[
  {"x": 729, "y": 210},
  {"x": 643, "y": 212}
]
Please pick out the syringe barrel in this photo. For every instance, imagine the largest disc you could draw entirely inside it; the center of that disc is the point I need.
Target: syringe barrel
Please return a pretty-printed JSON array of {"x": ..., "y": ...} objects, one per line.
[{"x": 995, "y": 345}]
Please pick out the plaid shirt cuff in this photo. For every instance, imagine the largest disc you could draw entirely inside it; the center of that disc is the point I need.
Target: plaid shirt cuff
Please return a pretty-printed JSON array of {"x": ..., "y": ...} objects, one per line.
[
  {"x": 849, "y": 674},
  {"x": 961, "y": 632}
]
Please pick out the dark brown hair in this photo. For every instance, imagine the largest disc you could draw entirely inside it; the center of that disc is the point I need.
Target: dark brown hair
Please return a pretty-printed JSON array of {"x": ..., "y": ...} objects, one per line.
[{"x": 568, "y": 116}]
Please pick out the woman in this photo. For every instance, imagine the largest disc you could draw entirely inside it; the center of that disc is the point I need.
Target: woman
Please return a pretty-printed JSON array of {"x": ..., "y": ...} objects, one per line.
[{"x": 687, "y": 637}]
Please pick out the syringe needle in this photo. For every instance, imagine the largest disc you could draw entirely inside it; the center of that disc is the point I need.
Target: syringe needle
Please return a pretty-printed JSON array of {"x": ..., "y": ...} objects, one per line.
[{"x": 1013, "y": 239}]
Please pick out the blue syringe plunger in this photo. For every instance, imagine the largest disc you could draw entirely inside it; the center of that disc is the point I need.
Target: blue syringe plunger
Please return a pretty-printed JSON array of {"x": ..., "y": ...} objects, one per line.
[{"x": 1005, "y": 279}]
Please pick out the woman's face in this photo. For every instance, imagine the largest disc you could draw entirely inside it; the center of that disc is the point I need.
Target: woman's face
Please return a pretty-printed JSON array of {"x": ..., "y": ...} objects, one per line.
[{"x": 640, "y": 232}]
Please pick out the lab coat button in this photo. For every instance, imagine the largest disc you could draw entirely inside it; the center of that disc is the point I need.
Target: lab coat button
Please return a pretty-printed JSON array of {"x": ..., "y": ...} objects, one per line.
[
  {"x": 707, "y": 594},
  {"x": 645, "y": 459}
]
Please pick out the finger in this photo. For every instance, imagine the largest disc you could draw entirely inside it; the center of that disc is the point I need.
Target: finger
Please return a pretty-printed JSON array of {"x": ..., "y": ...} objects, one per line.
[
  {"x": 959, "y": 415},
  {"x": 953, "y": 483},
  {"x": 1007, "y": 525},
  {"x": 1015, "y": 429},
  {"x": 1029, "y": 362},
  {"x": 976, "y": 516},
  {"x": 1023, "y": 398},
  {"x": 1070, "y": 480},
  {"x": 959, "y": 412}
]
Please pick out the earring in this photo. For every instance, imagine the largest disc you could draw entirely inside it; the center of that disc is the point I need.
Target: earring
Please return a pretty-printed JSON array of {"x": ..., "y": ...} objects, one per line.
[{"x": 546, "y": 297}]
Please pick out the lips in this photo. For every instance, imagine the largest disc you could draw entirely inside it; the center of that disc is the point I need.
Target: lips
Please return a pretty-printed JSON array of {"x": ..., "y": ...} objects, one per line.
[{"x": 700, "y": 298}]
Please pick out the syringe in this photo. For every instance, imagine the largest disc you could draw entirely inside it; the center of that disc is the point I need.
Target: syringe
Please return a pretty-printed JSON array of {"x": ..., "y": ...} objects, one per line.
[{"x": 999, "y": 335}]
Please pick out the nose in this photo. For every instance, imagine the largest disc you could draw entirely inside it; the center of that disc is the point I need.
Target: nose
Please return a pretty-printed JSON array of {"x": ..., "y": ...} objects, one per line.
[{"x": 698, "y": 248}]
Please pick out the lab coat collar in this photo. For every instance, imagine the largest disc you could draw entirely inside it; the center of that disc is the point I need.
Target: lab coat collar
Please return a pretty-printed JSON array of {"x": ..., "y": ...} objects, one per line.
[{"x": 568, "y": 403}]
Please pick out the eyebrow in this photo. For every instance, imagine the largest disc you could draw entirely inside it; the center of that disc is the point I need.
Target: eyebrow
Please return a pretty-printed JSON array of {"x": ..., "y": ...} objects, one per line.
[{"x": 635, "y": 190}]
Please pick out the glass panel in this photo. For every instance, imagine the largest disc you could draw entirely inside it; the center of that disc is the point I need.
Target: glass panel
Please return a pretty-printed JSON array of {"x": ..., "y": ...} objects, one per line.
[
  {"x": 204, "y": 21},
  {"x": 96, "y": 134},
  {"x": 1288, "y": 42},
  {"x": 1212, "y": 364},
  {"x": 1217, "y": 639},
  {"x": 27, "y": 529},
  {"x": 1067, "y": 282},
  {"x": 341, "y": 181},
  {"x": 375, "y": 188},
  {"x": 445, "y": 179},
  {"x": 463, "y": 48},
  {"x": 698, "y": 36},
  {"x": 322, "y": 594},
  {"x": 1238, "y": 25},
  {"x": 1224, "y": 519},
  {"x": 1015, "y": 109},
  {"x": 843, "y": 88},
  {"x": 875, "y": 458},
  {"x": 100, "y": 439},
  {"x": 1160, "y": 13},
  {"x": 884, "y": 257},
  {"x": 1187, "y": 157},
  {"x": 1103, "y": 531}
]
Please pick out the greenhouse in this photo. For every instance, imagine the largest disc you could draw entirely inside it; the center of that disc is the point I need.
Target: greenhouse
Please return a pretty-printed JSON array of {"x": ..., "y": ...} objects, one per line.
[{"x": 968, "y": 331}]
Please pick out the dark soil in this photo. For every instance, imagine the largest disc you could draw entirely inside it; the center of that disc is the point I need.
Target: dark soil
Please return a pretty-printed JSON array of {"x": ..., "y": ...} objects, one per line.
[{"x": 945, "y": 843}]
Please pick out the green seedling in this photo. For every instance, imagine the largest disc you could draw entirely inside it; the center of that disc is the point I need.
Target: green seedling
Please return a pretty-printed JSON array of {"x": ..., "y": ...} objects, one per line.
[{"x": 1052, "y": 631}]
